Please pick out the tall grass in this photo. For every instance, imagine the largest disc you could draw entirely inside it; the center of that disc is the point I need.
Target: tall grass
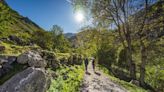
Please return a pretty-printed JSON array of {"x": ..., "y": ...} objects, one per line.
[{"x": 69, "y": 79}]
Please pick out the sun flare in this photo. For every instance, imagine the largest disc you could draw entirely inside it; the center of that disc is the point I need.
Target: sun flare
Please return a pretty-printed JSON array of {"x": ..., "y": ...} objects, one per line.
[{"x": 79, "y": 16}]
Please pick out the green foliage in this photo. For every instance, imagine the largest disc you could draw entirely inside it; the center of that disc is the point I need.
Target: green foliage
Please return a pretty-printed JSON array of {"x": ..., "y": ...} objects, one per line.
[
  {"x": 107, "y": 52},
  {"x": 59, "y": 41},
  {"x": 63, "y": 55},
  {"x": 72, "y": 81},
  {"x": 13, "y": 23},
  {"x": 15, "y": 50},
  {"x": 155, "y": 77},
  {"x": 87, "y": 41},
  {"x": 107, "y": 57},
  {"x": 43, "y": 39},
  {"x": 122, "y": 60}
]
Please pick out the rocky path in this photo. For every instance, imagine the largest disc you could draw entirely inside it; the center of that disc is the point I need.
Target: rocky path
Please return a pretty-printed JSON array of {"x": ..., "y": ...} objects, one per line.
[{"x": 98, "y": 82}]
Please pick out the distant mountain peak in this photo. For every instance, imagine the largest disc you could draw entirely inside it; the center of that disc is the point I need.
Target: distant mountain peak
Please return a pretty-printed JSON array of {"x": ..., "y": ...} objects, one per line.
[{"x": 69, "y": 35}]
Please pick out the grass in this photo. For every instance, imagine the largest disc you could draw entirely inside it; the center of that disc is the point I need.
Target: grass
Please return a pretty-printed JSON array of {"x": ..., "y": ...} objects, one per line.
[
  {"x": 15, "y": 50},
  {"x": 62, "y": 55},
  {"x": 70, "y": 83},
  {"x": 130, "y": 87}
]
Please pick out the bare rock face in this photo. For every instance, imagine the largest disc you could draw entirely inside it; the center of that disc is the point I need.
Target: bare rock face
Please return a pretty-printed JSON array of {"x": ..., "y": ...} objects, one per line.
[
  {"x": 29, "y": 80},
  {"x": 32, "y": 58}
]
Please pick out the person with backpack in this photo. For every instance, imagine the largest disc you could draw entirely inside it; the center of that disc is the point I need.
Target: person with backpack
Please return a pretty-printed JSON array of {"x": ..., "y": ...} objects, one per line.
[
  {"x": 93, "y": 64},
  {"x": 86, "y": 64}
]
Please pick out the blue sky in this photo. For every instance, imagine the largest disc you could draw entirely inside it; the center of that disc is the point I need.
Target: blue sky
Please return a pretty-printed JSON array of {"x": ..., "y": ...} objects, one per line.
[{"x": 46, "y": 13}]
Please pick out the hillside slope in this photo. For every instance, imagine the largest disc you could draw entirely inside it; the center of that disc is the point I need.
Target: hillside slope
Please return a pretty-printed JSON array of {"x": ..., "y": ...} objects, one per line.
[
  {"x": 16, "y": 32},
  {"x": 11, "y": 22}
]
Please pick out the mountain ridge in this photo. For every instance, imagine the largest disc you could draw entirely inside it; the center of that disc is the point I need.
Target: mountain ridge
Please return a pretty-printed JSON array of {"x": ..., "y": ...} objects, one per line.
[{"x": 13, "y": 23}]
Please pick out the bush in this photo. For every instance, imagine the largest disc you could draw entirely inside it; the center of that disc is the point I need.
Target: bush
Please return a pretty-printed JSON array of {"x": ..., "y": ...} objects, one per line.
[{"x": 107, "y": 57}]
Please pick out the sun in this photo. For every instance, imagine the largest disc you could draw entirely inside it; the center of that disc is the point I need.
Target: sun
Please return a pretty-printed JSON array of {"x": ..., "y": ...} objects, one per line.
[{"x": 79, "y": 16}]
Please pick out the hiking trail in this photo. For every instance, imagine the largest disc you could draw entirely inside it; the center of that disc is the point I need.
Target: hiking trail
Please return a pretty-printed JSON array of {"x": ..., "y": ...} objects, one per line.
[{"x": 99, "y": 82}]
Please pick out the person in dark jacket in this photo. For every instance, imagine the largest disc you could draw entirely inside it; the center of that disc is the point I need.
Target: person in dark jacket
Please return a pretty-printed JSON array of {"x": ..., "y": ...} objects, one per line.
[
  {"x": 93, "y": 64},
  {"x": 86, "y": 64}
]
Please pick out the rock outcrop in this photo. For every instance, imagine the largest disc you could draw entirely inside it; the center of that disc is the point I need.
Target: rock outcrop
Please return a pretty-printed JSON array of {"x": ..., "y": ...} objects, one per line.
[
  {"x": 51, "y": 59},
  {"x": 32, "y": 58},
  {"x": 5, "y": 64},
  {"x": 30, "y": 80}
]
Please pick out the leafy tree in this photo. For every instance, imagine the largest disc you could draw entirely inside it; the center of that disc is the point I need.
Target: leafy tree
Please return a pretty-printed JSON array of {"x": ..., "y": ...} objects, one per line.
[
  {"x": 43, "y": 39},
  {"x": 59, "y": 41}
]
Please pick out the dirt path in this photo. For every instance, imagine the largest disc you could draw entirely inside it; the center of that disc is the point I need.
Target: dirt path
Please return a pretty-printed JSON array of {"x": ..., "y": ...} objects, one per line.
[{"x": 98, "y": 82}]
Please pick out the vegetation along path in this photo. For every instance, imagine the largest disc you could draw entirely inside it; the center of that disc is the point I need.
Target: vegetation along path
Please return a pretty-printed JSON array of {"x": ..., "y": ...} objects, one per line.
[{"x": 98, "y": 82}]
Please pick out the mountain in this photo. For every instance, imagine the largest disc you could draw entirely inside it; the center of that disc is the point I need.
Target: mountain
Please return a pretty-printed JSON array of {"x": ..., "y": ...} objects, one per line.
[
  {"x": 12, "y": 23},
  {"x": 69, "y": 35}
]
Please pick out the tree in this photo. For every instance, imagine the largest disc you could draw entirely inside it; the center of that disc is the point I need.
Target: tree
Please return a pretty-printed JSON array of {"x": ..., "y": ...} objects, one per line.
[
  {"x": 142, "y": 29},
  {"x": 59, "y": 41},
  {"x": 43, "y": 39}
]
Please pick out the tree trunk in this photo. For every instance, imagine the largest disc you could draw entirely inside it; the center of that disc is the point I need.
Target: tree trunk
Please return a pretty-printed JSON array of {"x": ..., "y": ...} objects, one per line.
[
  {"x": 132, "y": 67},
  {"x": 143, "y": 50},
  {"x": 143, "y": 63}
]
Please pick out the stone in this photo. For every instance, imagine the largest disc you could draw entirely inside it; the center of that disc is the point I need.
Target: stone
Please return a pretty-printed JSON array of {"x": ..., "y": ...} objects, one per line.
[
  {"x": 24, "y": 58},
  {"x": 2, "y": 48},
  {"x": 32, "y": 58},
  {"x": 64, "y": 61},
  {"x": 16, "y": 39},
  {"x": 4, "y": 39},
  {"x": 6, "y": 64},
  {"x": 55, "y": 64},
  {"x": 135, "y": 82},
  {"x": 11, "y": 59},
  {"x": 30, "y": 80},
  {"x": 37, "y": 62},
  {"x": 7, "y": 59},
  {"x": 51, "y": 59}
]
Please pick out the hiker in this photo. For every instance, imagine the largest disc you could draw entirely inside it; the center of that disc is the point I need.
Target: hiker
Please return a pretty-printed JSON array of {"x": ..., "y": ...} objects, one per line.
[
  {"x": 93, "y": 64},
  {"x": 86, "y": 64}
]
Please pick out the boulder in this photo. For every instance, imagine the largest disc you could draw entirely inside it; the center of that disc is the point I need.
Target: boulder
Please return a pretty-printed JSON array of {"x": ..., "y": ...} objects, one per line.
[
  {"x": 4, "y": 39},
  {"x": 16, "y": 39},
  {"x": 32, "y": 58},
  {"x": 25, "y": 57},
  {"x": 7, "y": 59},
  {"x": 6, "y": 64},
  {"x": 51, "y": 59},
  {"x": 2, "y": 48},
  {"x": 30, "y": 80}
]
